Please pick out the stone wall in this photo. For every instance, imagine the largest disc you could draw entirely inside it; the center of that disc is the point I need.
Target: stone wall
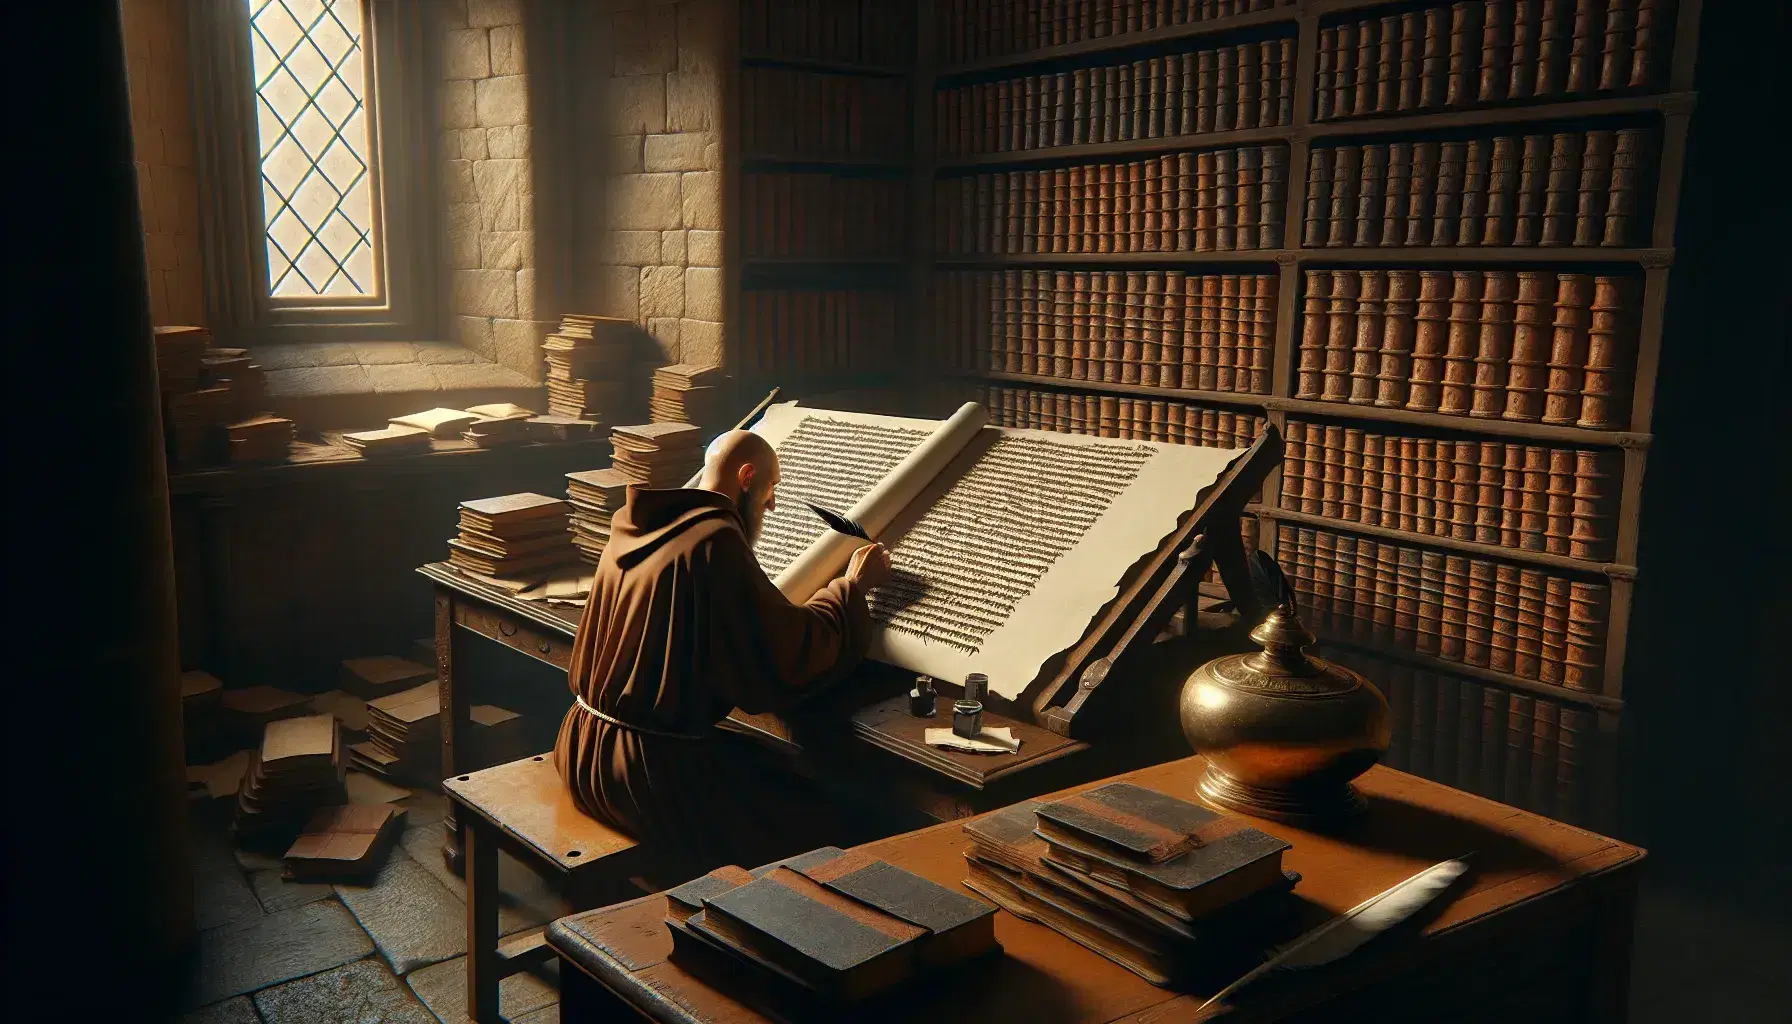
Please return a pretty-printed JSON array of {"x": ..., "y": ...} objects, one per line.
[
  {"x": 647, "y": 80},
  {"x": 155, "y": 40},
  {"x": 488, "y": 183}
]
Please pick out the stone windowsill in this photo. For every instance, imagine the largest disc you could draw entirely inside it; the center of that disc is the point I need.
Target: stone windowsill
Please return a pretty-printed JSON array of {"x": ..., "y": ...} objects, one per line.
[{"x": 359, "y": 385}]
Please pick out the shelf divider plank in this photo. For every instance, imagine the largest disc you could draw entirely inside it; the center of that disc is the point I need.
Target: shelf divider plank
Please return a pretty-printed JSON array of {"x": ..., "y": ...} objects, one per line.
[
  {"x": 1466, "y": 424},
  {"x": 1612, "y": 570},
  {"x": 1169, "y": 33},
  {"x": 1562, "y": 110},
  {"x": 1132, "y": 147},
  {"x": 1181, "y": 394},
  {"x": 1342, "y": 256}
]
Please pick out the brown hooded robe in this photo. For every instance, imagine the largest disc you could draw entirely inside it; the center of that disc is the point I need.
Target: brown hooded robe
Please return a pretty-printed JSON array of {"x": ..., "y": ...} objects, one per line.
[{"x": 682, "y": 626}]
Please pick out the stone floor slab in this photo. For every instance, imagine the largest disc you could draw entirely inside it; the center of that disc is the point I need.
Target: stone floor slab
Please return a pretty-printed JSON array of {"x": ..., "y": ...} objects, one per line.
[
  {"x": 222, "y": 897},
  {"x": 545, "y": 1015},
  {"x": 242, "y": 958},
  {"x": 277, "y": 894},
  {"x": 230, "y": 1011},
  {"x": 525, "y": 900},
  {"x": 413, "y": 919},
  {"x": 363, "y": 991},
  {"x": 443, "y": 988}
]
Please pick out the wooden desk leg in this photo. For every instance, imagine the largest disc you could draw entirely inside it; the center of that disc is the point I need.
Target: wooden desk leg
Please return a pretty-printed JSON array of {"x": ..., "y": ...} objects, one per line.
[
  {"x": 455, "y": 712},
  {"x": 482, "y": 922}
]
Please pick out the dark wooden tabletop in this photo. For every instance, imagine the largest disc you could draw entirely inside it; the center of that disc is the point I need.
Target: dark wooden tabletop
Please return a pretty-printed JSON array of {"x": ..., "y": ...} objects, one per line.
[{"x": 1531, "y": 879}]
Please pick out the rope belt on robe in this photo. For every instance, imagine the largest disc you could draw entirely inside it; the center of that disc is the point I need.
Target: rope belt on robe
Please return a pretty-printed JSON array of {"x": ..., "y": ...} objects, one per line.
[{"x": 630, "y": 726}]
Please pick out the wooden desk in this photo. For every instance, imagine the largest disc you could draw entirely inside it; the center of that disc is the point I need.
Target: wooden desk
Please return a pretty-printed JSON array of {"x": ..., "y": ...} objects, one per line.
[
  {"x": 880, "y": 750},
  {"x": 1540, "y": 930}
]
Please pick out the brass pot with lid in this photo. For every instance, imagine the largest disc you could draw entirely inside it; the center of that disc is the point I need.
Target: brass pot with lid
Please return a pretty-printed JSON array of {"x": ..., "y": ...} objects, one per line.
[{"x": 1284, "y": 732}]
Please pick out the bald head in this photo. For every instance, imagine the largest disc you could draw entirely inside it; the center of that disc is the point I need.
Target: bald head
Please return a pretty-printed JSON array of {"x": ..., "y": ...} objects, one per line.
[{"x": 743, "y": 466}]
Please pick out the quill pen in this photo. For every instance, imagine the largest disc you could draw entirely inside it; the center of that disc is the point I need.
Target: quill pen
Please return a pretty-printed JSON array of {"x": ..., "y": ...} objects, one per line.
[
  {"x": 1343, "y": 934},
  {"x": 837, "y": 522}
]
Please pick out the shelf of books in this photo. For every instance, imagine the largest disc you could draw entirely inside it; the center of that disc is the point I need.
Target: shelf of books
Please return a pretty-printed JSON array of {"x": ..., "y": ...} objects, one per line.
[{"x": 1428, "y": 241}]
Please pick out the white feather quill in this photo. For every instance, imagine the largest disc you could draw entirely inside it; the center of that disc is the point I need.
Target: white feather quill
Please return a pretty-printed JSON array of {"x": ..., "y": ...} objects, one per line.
[{"x": 1343, "y": 934}]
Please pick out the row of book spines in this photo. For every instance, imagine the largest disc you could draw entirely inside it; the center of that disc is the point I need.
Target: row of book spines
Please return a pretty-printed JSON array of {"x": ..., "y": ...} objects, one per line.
[
  {"x": 1246, "y": 86},
  {"x": 817, "y": 330},
  {"x": 820, "y": 215},
  {"x": 971, "y": 29},
  {"x": 1556, "y": 500},
  {"x": 1572, "y": 188},
  {"x": 1524, "y": 750},
  {"x": 1521, "y": 346},
  {"x": 1489, "y": 51},
  {"x": 1120, "y": 416},
  {"x": 866, "y": 31},
  {"x": 1508, "y": 618},
  {"x": 1213, "y": 332},
  {"x": 790, "y": 112},
  {"x": 1182, "y": 202}
]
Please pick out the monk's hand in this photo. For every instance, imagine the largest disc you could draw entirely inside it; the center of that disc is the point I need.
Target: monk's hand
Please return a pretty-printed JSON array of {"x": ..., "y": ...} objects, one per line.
[{"x": 869, "y": 566}]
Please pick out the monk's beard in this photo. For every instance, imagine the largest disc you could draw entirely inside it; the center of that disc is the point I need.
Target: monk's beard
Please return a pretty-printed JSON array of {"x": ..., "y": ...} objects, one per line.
[{"x": 752, "y": 517}]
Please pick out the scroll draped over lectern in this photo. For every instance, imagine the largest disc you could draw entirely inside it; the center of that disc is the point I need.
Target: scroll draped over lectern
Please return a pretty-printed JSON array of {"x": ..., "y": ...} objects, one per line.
[{"x": 1039, "y": 559}]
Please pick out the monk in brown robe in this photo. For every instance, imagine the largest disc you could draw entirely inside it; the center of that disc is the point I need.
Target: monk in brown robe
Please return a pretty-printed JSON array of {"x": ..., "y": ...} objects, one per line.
[{"x": 682, "y": 626}]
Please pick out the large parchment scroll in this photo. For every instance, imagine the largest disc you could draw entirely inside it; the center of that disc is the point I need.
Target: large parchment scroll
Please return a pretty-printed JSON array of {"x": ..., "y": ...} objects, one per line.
[{"x": 1005, "y": 543}]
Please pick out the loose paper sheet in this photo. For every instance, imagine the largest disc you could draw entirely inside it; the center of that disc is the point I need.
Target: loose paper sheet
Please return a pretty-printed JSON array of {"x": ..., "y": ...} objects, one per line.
[
  {"x": 987, "y": 741},
  {"x": 1006, "y": 543}
]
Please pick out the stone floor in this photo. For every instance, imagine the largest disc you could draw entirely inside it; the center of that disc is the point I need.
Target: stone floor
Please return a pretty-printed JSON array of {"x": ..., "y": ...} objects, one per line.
[{"x": 279, "y": 952}]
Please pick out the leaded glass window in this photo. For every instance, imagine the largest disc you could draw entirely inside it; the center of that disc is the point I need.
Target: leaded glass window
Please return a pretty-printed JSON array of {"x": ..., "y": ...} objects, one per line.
[{"x": 319, "y": 187}]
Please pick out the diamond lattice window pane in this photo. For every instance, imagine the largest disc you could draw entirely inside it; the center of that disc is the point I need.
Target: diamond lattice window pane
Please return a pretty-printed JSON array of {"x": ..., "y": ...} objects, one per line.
[{"x": 316, "y": 157}]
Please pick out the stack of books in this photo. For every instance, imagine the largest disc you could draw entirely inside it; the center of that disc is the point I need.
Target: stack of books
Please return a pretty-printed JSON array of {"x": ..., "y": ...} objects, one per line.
[
  {"x": 347, "y": 843},
  {"x": 180, "y": 357},
  {"x": 595, "y": 495},
  {"x": 818, "y": 935},
  {"x": 298, "y": 767},
  {"x": 657, "y": 454},
  {"x": 207, "y": 394},
  {"x": 260, "y": 439},
  {"x": 512, "y": 535},
  {"x": 586, "y": 359},
  {"x": 442, "y": 424},
  {"x": 498, "y": 424},
  {"x": 247, "y": 382},
  {"x": 683, "y": 393},
  {"x": 389, "y": 441},
  {"x": 195, "y": 422},
  {"x": 404, "y": 736},
  {"x": 1167, "y": 889}
]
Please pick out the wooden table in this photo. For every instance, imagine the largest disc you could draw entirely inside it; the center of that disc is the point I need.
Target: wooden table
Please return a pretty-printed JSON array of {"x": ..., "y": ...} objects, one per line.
[
  {"x": 1539, "y": 931},
  {"x": 860, "y": 732}
]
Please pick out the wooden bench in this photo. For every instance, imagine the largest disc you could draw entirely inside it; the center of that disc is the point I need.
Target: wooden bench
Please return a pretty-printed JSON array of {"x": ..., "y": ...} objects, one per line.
[{"x": 526, "y": 810}]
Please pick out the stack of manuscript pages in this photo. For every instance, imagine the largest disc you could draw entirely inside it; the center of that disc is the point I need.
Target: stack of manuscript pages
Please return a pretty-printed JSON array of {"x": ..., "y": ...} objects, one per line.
[
  {"x": 1167, "y": 889},
  {"x": 596, "y": 495},
  {"x": 657, "y": 454},
  {"x": 513, "y": 536},
  {"x": 299, "y": 766},
  {"x": 391, "y": 440},
  {"x": 207, "y": 394},
  {"x": 260, "y": 439},
  {"x": 819, "y": 935},
  {"x": 683, "y": 393},
  {"x": 586, "y": 361},
  {"x": 498, "y": 424},
  {"x": 347, "y": 843},
  {"x": 404, "y": 736}
]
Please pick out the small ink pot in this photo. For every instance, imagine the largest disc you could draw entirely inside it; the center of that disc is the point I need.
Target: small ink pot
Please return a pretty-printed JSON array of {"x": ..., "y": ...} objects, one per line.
[
  {"x": 976, "y": 684},
  {"x": 923, "y": 700},
  {"x": 967, "y": 718}
]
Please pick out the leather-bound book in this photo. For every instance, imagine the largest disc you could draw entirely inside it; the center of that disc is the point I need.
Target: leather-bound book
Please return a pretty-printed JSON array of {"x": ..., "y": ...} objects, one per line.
[
  {"x": 1544, "y": 724},
  {"x": 1225, "y": 89},
  {"x": 1315, "y": 224},
  {"x": 1406, "y": 598},
  {"x": 1519, "y": 711},
  {"x": 1268, "y": 81},
  {"x": 1521, "y": 82},
  {"x": 1490, "y": 778},
  {"x": 1409, "y": 43},
  {"x": 1464, "y": 332},
  {"x": 1226, "y": 367},
  {"x": 1476, "y": 170},
  {"x": 1615, "y": 51},
  {"x": 1561, "y": 196},
  {"x": 1386, "y": 590},
  {"x": 1445, "y": 714},
  {"x": 1326, "y": 77},
  {"x": 1132, "y": 339},
  {"x": 1463, "y": 82},
  {"x": 1397, "y": 194},
  {"x": 1504, "y": 645},
  {"x": 1654, "y": 28},
  {"x": 1532, "y": 335},
  {"x": 1310, "y": 366},
  {"x": 1452, "y": 167},
  {"x": 1497, "y": 30},
  {"x": 1206, "y": 84},
  {"x": 1365, "y": 348},
  {"x": 1149, "y": 229},
  {"x": 1559, "y": 527},
  {"x": 1494, "y": 349},
  {"x": 1374, "y": 474},
  {"x": 1528, "y": 641},
  {"x": 1246, "y": 63},
  {"x": 1611, "y": 352},
  {"x": 1063, "y": 345},
  {"x": 1554, "y": 24},
  {"x": 1125, "y": 821},
  {"x": 1574, "y": 732},
  {"x": 1191, "y": 312},
  {"x": 1555, "y": 629},
  {"x": 1527, "y": 226},
  {"x": 1294, "y": 464},
  {"x": 1568, "y": 349},
  {"x": 1362, "y": 625},
  {"x": 1629, "y": 155},
  {"x": 1477, "y": 642},
  {"x": 1398, "y": 328},
  {"x": 1208, "y": 331},
  {"x": 1414, "y": 503},
  {"x": 1225, "y": 199},
  {"x": 1595, "y": 187},
  {"x": 1434, "y": 58},
  {"x": 1206, "y": 201},
  {"x": 1430, "y": 341},
  {"x": 1346, "y": 179},
  {"x": 1263, "y": 327},
  {"x": 957, "y": 927},
  {"x": 1431, "y": 602},
  {"x": 1190, "y": 103},
  {"x": 1350, "y": 491},
  {"x": 1502, "y": 191},
  {"x": 1595, "y": 495},
  {"x": 1344, "y": 72},
  {"x": 1170, "y": 114},
  {"x": 1370, "y": 194},
  {"x": 1368, "y": 51},
  {"x": 1272, "y": 197},
  {"x": 1586, "y": 39},
  {"x": 1151, "y": 333},
  {"x": 1340, "y": 335},
  {"x": 1249, "y": 181},
  {"x": 1387, "y": 66},
  {"x": 1511, "y": 496},
  {"x": 1467, "y": 706}
]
